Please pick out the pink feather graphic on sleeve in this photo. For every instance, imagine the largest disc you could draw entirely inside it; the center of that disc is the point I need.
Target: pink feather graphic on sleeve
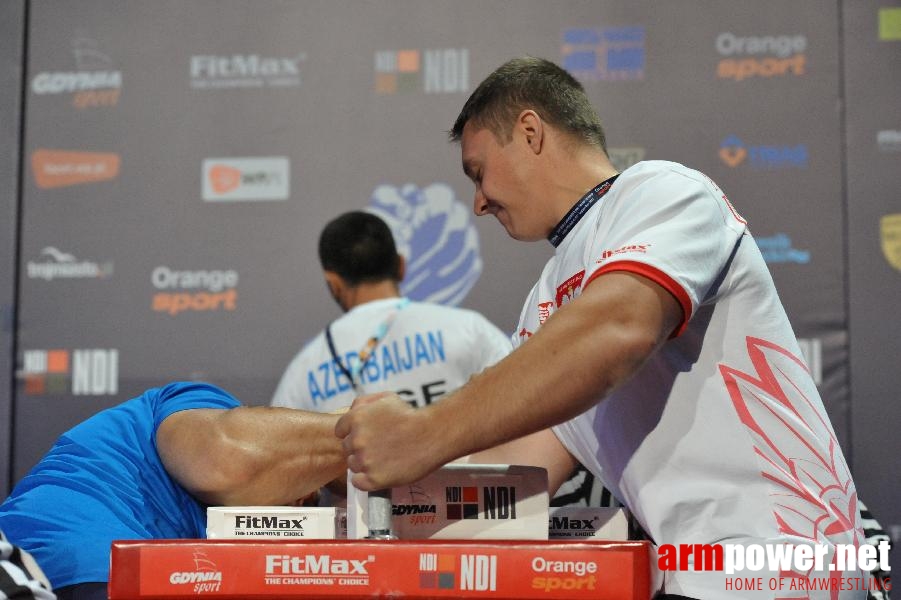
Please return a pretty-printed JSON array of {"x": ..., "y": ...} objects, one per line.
[{"x": 797, "y": 448}]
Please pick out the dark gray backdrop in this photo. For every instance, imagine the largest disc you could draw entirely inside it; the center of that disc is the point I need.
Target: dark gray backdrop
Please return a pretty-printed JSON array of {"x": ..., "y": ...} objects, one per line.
[
  {"x": 139, "y": 116},
  {"x": 12, "y": 28},
  {"x": 872, "y": 93}
]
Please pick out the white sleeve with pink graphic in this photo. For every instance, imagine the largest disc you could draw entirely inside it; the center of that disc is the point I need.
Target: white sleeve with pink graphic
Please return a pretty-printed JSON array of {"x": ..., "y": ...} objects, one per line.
[{"x": 721, "y": 437}]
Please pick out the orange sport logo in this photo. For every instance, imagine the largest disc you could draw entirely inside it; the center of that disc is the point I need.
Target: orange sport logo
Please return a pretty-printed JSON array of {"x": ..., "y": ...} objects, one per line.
[
  {"x": 204, "y": 290},
  {"x": 746, "y": 57},
  {"x": 63, "y": 168}
]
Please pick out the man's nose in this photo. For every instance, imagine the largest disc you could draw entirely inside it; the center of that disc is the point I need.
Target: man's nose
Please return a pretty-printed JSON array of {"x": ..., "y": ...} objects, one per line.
[{"x": 479, "y": 203}]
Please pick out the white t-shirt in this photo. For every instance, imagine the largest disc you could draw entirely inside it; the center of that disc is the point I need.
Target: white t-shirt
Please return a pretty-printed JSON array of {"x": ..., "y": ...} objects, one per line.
[
  {"x": 428, "y": 350},
  {"x": 721, "y": 437}
]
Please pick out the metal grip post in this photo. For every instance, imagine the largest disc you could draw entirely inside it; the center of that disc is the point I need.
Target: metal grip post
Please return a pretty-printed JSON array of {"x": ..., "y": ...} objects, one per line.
[{"x": 379, "y": 507}]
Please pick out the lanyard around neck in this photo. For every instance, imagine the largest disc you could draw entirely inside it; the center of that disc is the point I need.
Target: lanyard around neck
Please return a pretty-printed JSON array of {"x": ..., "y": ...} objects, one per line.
[
  {"x": 578, "y": 211},
  {"x": 368, "y": 349}
]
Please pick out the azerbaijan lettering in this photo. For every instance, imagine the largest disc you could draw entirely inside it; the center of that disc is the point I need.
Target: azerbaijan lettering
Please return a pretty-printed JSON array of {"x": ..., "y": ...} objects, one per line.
[{"x": 390, "y": 358}]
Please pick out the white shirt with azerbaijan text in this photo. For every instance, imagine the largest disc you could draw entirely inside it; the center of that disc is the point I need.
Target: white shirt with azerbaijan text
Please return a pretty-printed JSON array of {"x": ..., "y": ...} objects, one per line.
[
  {"x": 429, "y": 350},
  {"x": 721, "y": 437}
]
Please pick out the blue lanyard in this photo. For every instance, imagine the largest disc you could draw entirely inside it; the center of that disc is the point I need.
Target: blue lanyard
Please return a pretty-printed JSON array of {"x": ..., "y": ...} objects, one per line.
[{"x": 578, "y": 211}]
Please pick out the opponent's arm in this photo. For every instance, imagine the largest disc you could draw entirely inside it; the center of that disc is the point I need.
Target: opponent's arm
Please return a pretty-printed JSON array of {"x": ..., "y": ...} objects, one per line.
[
  {"x": 539, "y": 449},
  {"x": 584, "y": 351},
  {"x": 250, "y": 455}
]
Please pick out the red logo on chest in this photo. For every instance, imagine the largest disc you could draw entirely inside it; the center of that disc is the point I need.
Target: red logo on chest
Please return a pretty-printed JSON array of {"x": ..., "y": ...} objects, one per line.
[{"x": 569, "y": 289}]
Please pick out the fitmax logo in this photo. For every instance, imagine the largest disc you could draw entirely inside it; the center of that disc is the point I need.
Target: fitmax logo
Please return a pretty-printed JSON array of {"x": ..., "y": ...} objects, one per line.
[
  {"x": 311, "y": 564},
  {"x": 245, "y": 71},
  {"x": 248, "y": 521},
  {"x": 573, "y": 524},
  {"x": 734, "y": 152}
]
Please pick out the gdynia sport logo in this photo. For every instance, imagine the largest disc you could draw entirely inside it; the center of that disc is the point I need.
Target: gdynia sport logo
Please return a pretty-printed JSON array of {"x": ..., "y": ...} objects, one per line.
[{"x": 784, "y": 566}]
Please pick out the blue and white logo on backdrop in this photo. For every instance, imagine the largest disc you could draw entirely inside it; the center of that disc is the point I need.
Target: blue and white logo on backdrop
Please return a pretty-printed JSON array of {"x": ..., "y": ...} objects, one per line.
[{"x": 434, "y": 232}]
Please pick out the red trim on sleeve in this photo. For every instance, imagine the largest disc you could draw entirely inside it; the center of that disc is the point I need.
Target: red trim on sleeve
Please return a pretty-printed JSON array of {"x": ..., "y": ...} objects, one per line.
[{"x": 658, "y": 277}]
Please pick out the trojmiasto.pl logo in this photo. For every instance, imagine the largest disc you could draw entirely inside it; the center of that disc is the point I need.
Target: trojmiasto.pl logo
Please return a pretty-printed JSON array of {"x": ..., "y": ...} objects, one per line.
[{"x": 56, "y": 264}]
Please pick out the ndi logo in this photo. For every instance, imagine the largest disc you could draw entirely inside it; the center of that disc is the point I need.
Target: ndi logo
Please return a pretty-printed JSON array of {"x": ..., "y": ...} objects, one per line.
[
  {"x": 436, "y": 235},
  {"x": 437, "y": 571},
  {"x": 440, "y": 71},
  {"x": 734, "y": 152},
  {"x": 81, "y": 372}
]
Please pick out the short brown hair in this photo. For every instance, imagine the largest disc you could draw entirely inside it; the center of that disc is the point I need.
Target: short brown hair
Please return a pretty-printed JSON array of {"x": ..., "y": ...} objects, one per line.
[{"x": 531, "y": 83}]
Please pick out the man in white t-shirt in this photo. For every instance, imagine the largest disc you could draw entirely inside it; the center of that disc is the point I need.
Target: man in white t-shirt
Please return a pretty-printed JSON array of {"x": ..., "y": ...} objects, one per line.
[
  {"x": 654, "y": 346},
  {"x": 383, "y": 341}
]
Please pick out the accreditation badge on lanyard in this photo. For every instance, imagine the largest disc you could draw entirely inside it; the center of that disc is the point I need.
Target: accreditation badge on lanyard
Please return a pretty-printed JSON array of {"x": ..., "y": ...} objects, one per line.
[{"x": 352, "y": 371}]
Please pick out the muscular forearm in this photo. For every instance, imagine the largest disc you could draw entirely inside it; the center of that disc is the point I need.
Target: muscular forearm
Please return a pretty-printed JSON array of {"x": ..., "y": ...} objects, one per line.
[
  {"x": 287, "y": 454},
  {"x": 251, "y": 455},
  {"x": 579, "y": 356}
]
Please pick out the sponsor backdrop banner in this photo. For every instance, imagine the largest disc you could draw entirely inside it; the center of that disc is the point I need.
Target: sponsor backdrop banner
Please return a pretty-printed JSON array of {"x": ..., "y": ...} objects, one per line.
[
  {"x": 182, "y": 157},
  {"x": 872, "y": 33},
  {"x": 12, "y": 27}
]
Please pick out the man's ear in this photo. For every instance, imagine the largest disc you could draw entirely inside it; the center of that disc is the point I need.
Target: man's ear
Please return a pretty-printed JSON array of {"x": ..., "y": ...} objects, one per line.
[
  {"x": 401, "y": 267},
  {"x": 531, "y": 127},
  {"x": 335, "y": 285}
]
